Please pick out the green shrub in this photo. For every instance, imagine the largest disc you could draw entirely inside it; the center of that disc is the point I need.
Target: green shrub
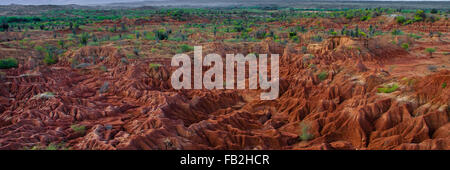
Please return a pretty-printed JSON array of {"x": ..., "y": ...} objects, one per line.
[
  {"x": 61, "y": 43},
  {"x": 434, "y": 11},
  {"x": 400, "y": 19},
  {"x": 161, "y": 34},
  {"x": 185, "y": 48},
  {"x": 305, "y": 134},
  {"x": 412, "y": 35},
  {"x": 84, "y": 38},
  {"x": 365, "y": 18},
  {"x": 405, "y": 46},
  {"x": 362, "y": 34},
  {"x": 149, "y": 36},
  {"x": 397, "y": 32},
  {"x": 154, "y": 65},
  {"x": 51, "y": 146},
  {"x": 78, "y": 128},
  {"x": 409, "y": 21},
  {"x": 333, "y": 33},
  {"x": 444, "y": 85},
  {"x": 50, "y": 58},
  {"x": 388, "y": 88},
  {"x": 430, "y": 51},
  {"x": 92, "y": 43},
  {"x": 295, "y": 39},
  {"x": 292, "y": 34},
  {"x": 322, "y": 75},
  {"x": 8, "y": 63},
  {"x": 129, "y": 36},
  {"x": 419, "y": 16},
  {"x": 116, "y": 38}
]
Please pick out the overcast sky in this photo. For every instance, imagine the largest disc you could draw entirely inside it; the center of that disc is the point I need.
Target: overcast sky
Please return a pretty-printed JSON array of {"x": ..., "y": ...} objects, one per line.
[{"x": 87, "y": 2}]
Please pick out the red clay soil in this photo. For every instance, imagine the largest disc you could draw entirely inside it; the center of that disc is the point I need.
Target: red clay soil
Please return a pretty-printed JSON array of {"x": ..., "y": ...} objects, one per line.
[{"x": 138, "y": 109}]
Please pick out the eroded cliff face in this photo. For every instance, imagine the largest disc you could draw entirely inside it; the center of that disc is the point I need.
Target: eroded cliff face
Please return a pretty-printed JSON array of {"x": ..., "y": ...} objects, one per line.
[{"x": 125, "y": 104}]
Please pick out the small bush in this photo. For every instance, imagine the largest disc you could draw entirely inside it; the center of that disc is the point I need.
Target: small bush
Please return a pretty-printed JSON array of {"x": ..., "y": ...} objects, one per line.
[
  {"x": 322, "y": 75},
  {"x": 412, "y": 35},
  {"x": 397, "y": 32},
  {"x": 333, "y": 33},
  {"x": 8, "y": 63},
  {"x": 444, "y": 85},
  {"x": 295, "y": 39},
  {"x": 405, "y": 46},
  {"x": 50, "y": 59},
  {"x": 400, "y": 19},
  {"x": 51, "y": 146},
  {"x": 430, "y": 51},
  {"x": 365, "y": 18},
  {"x": 186, "y": 48},
  {"x": 292, "y": 34},
  {"x": 78, "y": 128},
  {"x": 92, "y": 43},
  {"x": 84, "y": 38},
  {"x": 154, "y": 65},
  {"x": 61, "y": 44},
  {"x": 434, "y": 11},
  {"x": 161, "y": 34},
  {"x": 305, "y": 134},
  {"x": 50, "y": 54},
  {"x": 388, "y": 88}
]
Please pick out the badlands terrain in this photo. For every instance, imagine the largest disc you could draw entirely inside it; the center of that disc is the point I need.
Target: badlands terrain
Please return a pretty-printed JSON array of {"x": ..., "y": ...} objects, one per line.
[{"x": 354, "y": 79}]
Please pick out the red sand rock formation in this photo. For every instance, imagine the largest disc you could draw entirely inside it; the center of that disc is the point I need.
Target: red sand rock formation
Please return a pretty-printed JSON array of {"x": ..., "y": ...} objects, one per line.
[{"x": 132, "y": 106}]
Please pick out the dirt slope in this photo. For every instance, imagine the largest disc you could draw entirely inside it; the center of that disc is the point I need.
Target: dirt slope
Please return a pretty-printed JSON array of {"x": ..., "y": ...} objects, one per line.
[{"x": 125, "y": 104}]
